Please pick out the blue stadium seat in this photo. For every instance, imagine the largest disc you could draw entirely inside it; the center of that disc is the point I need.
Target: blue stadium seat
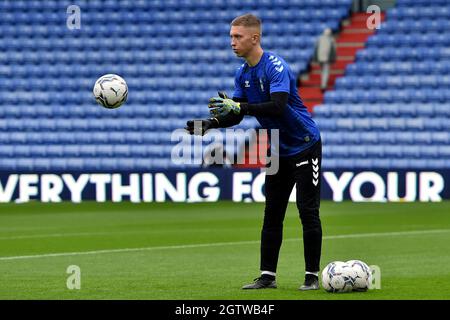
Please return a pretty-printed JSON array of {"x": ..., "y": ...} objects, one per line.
[
  {"x": 430, "y": 152},
  {"x": 55, "y": 150},
  {"x": 75, "y": 164},
  {"x": 23, "y": 164},
  {"x": 72, "y": 150},
  {"x": 440, "y": 138},
  {"x": 87, "y": 150},
  {"x": 444, "y": 151},
  {"x": 326, "y": 124}
]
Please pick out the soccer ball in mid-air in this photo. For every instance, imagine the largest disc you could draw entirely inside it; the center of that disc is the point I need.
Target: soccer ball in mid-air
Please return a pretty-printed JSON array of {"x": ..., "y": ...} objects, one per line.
[
  {"x": 110, "y": 91},
  {"x": 363, "y": 275},
  {"x": 338, "y": 276}
]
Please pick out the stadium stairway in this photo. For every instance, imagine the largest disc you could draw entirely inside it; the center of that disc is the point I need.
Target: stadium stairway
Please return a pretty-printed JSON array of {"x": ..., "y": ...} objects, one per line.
[{"x": 353, "y": 36}]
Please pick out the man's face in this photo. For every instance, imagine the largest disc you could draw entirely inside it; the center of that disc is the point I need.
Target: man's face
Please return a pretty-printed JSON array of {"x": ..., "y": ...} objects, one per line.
[{"x": 243, "y": 39}]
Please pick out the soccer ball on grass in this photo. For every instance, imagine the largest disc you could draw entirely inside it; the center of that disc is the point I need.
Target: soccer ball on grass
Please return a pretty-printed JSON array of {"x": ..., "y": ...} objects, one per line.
[
  {"x": 363, "y": 275},
  {"x": 353, "y": 275},
  {"x": 338, "y": 276}
]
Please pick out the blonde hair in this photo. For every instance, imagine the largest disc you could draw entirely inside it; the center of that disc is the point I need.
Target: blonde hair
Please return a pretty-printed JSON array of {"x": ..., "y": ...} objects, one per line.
[{"x": 248, "y": 20}]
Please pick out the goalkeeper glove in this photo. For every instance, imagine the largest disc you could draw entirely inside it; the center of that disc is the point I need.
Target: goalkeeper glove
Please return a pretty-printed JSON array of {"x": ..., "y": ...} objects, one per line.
[
  {"x": 222, "y": 105},
  {"x": 199, "y": 127}
]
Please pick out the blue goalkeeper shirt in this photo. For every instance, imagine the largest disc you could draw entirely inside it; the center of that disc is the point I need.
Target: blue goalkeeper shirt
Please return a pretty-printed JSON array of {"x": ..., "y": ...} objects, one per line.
[{"x": 272, "y": 74}]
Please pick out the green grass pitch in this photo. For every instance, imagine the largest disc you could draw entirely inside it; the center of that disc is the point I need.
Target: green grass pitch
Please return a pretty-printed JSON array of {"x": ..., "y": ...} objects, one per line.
[{"x": 209, "y": 250}]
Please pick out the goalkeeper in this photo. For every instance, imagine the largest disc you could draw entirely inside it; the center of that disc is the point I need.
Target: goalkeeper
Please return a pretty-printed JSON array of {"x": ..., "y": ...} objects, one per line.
[{"x": 266, "y": 89}]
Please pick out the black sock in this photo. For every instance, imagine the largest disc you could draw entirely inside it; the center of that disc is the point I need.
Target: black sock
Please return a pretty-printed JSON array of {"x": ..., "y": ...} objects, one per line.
[
  {"x": 310, "y": 276},
  {"x": 267, "y": 277}
]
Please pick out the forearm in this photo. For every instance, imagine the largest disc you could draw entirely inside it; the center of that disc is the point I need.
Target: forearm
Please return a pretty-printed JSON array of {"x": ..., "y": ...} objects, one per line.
[{"x": 275, "y": 107}]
